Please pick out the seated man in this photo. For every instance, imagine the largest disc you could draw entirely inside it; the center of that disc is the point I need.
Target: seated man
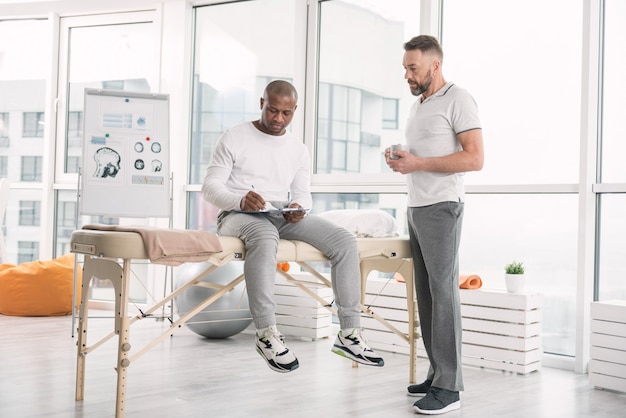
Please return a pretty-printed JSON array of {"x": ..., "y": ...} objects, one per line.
[{"x": 260, "y": 166}]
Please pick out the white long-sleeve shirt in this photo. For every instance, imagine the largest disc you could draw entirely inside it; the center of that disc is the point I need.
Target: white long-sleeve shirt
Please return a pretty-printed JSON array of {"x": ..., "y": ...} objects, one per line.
[{"x": 276, "y": 167}]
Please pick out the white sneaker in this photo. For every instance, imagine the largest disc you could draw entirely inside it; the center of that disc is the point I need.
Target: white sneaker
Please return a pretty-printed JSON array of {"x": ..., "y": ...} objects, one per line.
[
  {"x": 270, "y": 344},
  {"x": 354, "y": 347}
]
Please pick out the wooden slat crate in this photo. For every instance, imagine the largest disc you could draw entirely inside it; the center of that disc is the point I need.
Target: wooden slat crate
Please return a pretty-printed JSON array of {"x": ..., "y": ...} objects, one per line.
[
  {"x": 607, "y": 365},
  {"x": 298, "y": 314},
  {"x": 501, "y": 330}
]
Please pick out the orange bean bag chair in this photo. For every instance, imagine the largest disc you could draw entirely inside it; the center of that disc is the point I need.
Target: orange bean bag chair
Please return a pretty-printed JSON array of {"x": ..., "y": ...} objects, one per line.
[{"x": 39, "y": 288}]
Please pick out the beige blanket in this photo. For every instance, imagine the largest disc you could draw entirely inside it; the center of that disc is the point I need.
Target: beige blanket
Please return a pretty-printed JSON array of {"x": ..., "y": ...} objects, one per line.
[{"x": 171, "y": 247}]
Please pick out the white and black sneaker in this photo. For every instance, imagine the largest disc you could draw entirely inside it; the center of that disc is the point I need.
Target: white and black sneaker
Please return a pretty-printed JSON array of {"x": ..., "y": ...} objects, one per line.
[
  {"x": 352, "y": 345},
  {"x": 270, "y": 344}
]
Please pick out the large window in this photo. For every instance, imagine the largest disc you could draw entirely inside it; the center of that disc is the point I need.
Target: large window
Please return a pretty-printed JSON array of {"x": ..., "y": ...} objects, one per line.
[
  {"x": 361, "y": 94},
  {"x": 523, "y": 149},
  {"x": 239, "y": 48},
  {"x": 539, "y": 230},
  {"x": 614, "y": 67},
  {"x": 24, "y": 68},
  {"x": 612, "y": 205},
  {"x": 128, "y": 59},
  {"x": 611, "y": 249},
  {"x": 529, "y": 139},
  {"x": 526, "y": 83}
]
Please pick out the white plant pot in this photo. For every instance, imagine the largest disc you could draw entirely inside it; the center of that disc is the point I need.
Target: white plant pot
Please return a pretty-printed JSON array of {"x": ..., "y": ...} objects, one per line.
[{"x": 514, "y": 282}]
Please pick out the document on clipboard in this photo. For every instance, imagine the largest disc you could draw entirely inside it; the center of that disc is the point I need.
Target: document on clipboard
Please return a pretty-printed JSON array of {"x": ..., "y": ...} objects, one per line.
[{"x": 274, "y": 210}]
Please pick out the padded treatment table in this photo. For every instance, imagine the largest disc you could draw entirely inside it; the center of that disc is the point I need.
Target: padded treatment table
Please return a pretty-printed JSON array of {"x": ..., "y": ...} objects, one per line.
[{"x": 108, "y": 255}]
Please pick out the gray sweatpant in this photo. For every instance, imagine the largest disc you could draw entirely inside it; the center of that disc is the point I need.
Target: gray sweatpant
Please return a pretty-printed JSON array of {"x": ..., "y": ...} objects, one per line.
[
  {"x": 261, "y": 232},
  {"x": 435, "y": 234}
]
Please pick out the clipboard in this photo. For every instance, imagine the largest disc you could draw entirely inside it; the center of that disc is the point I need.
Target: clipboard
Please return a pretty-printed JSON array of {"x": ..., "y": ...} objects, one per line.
[{"x": 282, "y": 210}]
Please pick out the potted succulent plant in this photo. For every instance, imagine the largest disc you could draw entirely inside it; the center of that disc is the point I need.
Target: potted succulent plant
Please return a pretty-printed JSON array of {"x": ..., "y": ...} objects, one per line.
[{"x": 514, "y": 277}]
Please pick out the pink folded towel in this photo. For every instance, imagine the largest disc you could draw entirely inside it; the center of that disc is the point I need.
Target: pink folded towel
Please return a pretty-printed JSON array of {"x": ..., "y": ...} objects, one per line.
[{"x": 171, "y": 247}]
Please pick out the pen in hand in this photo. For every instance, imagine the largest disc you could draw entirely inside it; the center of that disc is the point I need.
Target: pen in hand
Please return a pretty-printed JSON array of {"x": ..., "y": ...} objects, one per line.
[{"x": 253, "y": 201}]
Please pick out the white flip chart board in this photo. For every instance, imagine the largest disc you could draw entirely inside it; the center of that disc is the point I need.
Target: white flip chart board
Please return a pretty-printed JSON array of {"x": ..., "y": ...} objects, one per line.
[{"x": 125, "y": 154}]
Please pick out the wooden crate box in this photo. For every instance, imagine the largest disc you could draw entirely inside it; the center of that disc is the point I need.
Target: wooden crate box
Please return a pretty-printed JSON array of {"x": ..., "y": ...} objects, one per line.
[
  {"x": 607, "y": 365},
  {"x": 501, "y": 330},
  {"x": 298, "y": 314}
]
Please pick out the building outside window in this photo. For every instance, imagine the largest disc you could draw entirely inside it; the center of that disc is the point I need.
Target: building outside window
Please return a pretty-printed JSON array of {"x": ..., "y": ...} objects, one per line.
[
  {"x": 339, "y": 129},
  {"x": 390, "y": 113},
  {"x": 72, "y": 164},
  {"x": 66, "y": 218},
  {"x": 75, "y": 128},
  {"x": 30, "y": 213},
  {"x": 31, "y": 168},
  {"x": 33, "y": 125},
  {"x": 66, "y": 214},
  {"x": 4, "y": 129},
  {"x": 27, "y": 251},
  {"x": 360, "y": 112},
  {"x": 4, "y": 166}
]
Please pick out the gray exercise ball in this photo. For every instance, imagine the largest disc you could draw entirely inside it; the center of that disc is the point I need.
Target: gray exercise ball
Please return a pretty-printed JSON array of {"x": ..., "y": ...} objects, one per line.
[{"x": 227, "y": 316}]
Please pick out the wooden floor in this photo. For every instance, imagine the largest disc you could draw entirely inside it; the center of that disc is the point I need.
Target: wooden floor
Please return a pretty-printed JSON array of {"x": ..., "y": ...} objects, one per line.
[{"x": 189, "y": 376}]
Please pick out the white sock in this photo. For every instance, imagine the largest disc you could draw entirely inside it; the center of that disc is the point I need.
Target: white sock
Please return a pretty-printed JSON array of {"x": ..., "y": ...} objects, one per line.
[
  {"x": 262, "y": 331},
  {"x": 348, "y": 331}
]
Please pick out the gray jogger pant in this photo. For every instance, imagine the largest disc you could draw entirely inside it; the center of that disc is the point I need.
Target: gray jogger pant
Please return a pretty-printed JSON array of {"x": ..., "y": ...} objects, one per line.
[{"x": 261, "y": 233}]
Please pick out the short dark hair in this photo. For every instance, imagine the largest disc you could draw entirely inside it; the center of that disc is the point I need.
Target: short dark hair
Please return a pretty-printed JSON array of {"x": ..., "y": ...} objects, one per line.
[
  {"x": 425, "y": 43},
  {"x": 281, "y": 88}
]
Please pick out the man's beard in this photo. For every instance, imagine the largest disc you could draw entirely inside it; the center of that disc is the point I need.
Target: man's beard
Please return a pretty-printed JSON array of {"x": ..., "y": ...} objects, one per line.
[{"x": 421, "y": 88}]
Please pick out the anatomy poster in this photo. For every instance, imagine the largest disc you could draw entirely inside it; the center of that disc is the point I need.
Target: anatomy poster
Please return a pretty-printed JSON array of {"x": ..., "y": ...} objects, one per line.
[{"x": 125, "y": 154}]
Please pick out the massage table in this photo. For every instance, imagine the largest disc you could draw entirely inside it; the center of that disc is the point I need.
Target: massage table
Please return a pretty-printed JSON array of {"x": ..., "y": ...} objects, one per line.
[{"x": 108, "y": 255}]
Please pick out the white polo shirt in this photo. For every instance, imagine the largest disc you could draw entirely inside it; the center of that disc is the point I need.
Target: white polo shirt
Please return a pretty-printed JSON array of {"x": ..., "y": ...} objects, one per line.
[{"x": 431, "y": 131}]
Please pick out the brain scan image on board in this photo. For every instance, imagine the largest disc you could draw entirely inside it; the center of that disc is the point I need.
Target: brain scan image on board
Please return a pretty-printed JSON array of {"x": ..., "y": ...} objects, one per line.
[{"x": 107, "y": 161}]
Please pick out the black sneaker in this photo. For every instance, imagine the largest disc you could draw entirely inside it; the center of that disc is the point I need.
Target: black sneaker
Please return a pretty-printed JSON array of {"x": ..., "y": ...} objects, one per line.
[
  {"x": 437, "y": 401},
  {"x": 420, "y": 389}
]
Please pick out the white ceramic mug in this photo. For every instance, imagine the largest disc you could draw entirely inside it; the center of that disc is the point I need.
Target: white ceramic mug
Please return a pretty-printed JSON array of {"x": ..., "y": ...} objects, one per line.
[{"x": 397, "y": 147}]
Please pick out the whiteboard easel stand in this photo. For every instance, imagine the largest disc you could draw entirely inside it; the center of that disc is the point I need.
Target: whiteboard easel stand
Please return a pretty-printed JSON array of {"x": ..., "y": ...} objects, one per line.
[{"x": 126, "y": 115}]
